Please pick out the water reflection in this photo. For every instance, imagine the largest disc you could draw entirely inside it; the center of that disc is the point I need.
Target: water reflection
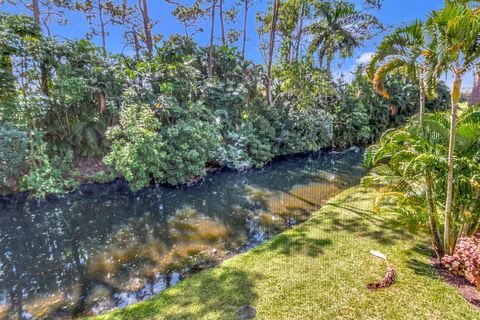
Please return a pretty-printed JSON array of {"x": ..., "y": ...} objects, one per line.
[{"x": 107, "y": 247}]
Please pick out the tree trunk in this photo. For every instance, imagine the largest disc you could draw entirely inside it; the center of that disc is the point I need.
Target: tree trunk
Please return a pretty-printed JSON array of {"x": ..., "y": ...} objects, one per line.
[
  {"x": 36, "y": 11},
  {"x": 102, "y": 24},
  {"x": 147, "y": 26},
  {"x": 43, "y": 66},
  {"x": 245, "y": 19},
  {"x": 136, "y": 45},
  {"x": 432, "y": 216},
  {"x": 101, "y": 101},
  {"x": 451, "y": 162},
  {"x": 288, "y": 54},
  {"x": 222, "y": 24},
  {"x": 329, "y": 64},
  {"x": 273, "y": 30},
  {"x": 300, "y": 30},
  {"x": 475, "y": 96},
  {"x": 212, "y": 33},
  {"x": 422, "y": 99}
]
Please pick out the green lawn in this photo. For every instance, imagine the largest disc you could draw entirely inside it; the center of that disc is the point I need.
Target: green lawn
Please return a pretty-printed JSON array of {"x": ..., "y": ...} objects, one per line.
[{"x": 318, "y": 271}]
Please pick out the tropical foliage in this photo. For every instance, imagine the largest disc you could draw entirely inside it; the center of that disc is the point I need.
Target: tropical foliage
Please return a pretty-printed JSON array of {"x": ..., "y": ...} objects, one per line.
[{"x": 411, "y": 165}]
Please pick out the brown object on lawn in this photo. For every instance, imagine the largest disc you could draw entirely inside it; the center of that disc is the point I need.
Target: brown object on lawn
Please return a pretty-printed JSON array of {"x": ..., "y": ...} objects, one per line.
[
  {"x": 389, "y": 277},
  {"x": 387, "y": 280}
]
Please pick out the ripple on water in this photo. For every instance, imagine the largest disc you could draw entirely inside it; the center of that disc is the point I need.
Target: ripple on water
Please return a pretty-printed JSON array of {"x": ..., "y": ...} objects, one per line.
[{"x": 90, "y": 252}]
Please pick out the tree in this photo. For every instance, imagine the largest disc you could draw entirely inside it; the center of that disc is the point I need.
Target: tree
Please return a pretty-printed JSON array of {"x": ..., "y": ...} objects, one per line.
[
  {"x": 271, "y": 46},
  {"x": 411, "y": 165},
  {"x": 188, "y": 16},
  {"x": 106, "y": 11},
  {"x": 456, "y": 30},
  {"x": 147, "y": 25},
  {"x": 222, "y": 22},
  {"x": 246, "y": 6},
  {"x": 212, "y": 33},
  {"x": 405, "y": 51},
  {"x": 339, "y": 27},
  {"x": 44, "y": 10}
]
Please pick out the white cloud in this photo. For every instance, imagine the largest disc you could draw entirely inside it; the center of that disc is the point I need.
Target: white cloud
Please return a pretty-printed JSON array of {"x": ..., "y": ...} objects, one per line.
[{"x": 365, "y": 58}]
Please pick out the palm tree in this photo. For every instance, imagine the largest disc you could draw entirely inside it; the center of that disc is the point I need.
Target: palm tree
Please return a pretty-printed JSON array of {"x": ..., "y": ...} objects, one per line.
[
  {"x": 406, "y": 160},
  {"x": 406, "y": 51},
  {"x": 338, "y": 27},
  {"x": 455, "y": 29}
]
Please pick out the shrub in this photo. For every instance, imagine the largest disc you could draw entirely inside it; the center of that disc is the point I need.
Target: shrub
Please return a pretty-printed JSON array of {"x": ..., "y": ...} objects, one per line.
[
  {"x": 13, "y": 155},
  {"x": 136, "y": 147},
  {"x": 302, "y": 130},
  {"x": 145, "y": 151},
  {"x": 465, "y": 260},
  {"x": 48, "y": 174},
  {"x": 249, "y": 146}
]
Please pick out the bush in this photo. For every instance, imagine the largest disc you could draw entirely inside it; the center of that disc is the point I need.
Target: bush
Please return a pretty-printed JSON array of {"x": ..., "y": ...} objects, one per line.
[
  {"x": 48, "y": 174},
  {"x": 302, "y": 130},
  {"x": 248, "y": 147},
  {"x": 465, "y": 260},
  {"x": 13, "y": 155},
  {"x": 145, "y": 151}
]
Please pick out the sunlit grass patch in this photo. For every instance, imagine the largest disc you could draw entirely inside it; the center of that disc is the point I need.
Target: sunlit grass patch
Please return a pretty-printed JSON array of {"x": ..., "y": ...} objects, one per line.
[{"x": 319, "y": 270}]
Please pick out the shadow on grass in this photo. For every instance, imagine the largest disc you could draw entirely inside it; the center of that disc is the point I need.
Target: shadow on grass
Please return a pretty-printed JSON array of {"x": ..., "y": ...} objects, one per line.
[
  {"x": 383, "y": 229},
  {"x": 214, "y": 294},
  {"x": 423, "y": 268},
  {"x": 297, "y": 242}
]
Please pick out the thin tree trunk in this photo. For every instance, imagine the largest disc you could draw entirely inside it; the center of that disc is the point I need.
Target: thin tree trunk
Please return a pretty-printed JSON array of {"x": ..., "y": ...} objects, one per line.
[
  {"x": 43, "y": 67},
  {"x": 212, "y": 33},
  {"x": 101, "y": 101},
  {"x": 329, "y": 64},
  {"x": 245, "y": 19},
  {"x": 36, "y": 11},
  {"x": 147, "y": 26},
  {"x": 300, "y": 31},
  {"x": 475, "y": 95},
  {"x": 422, "y": 99},
  {"x": 102, "y": 24},
  {"x": 432, "y": 216},
  {"x": 136, "y": 45},
  {"x": 451, "y": 162},
  {"x": 288, "y": 54},
  {"x": 273, "y": 30},
  {"x": 222, "y": 25}
]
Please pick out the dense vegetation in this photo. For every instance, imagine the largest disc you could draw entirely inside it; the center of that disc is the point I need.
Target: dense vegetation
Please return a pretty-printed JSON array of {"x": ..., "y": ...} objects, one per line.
[
  {"x": 432, "y": 163},
  {"x": 79, "y": 113},
  {"x": 73, "y": 112}
]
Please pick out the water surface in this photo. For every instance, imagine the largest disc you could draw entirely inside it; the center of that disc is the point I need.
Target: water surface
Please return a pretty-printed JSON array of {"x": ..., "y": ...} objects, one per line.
[{"x": 106, "y": 247}]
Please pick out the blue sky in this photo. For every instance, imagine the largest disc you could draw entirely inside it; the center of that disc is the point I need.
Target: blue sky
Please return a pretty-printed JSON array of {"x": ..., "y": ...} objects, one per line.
[{"x": 392, "y": 13}]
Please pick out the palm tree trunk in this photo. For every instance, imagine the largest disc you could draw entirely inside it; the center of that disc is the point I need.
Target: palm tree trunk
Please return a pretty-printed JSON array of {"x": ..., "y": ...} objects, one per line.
[
  {"x": 432, "y": 216},
  {"x": 273, "y": 30},
  {"x": 422, "y": 99},
  {"x": 451, "y": 162},
  {"x": 475, "y": 95}
]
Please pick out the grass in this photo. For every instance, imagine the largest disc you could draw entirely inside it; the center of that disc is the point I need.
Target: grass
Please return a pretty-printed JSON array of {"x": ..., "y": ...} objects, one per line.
[{"x": 318, "y": 271}]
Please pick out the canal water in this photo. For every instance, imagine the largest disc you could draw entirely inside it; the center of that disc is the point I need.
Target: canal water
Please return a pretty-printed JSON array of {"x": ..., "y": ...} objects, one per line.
[{"x": 104, "y": 247}]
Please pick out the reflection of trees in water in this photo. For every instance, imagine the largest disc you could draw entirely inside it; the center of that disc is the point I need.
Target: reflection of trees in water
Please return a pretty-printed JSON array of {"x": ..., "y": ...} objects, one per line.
[
  {"x": 134, "y": 239},
  {"x": 59, "y": 256}
]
